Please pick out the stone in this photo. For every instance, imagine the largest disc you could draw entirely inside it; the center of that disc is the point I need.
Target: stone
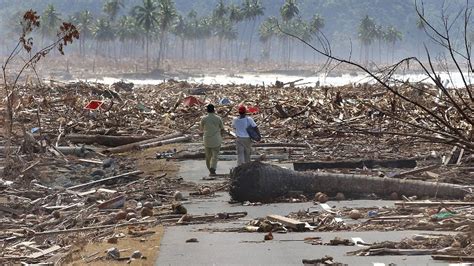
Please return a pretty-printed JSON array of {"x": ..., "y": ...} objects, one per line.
[
  {"x": 355, "y": 214},
  {"x": 131, "y": 215},
  {"x": 136, "y": 255},
  {"x": 146, "y": 212},
  {"x": 113, "y": 253}
]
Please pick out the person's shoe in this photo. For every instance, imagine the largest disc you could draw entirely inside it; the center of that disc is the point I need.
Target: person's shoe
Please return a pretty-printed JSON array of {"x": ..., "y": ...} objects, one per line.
[{"x": 212, "y": 171}]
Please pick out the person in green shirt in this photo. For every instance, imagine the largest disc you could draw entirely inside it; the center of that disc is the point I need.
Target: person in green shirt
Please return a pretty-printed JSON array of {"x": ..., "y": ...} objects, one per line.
[{"x": 212, "y": 126}]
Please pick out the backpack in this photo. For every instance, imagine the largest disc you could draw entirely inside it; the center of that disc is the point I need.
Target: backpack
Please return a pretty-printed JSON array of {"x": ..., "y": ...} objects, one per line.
[{"x": 253, "y": 133}]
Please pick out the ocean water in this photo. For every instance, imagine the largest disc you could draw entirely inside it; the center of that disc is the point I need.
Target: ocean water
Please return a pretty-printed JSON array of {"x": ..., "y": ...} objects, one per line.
[{"x": 453, "y": 80}]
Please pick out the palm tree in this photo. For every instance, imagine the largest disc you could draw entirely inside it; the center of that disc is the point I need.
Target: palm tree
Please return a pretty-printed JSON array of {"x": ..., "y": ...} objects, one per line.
[
  {"x": 266, "y": 33},
  {"x": 103, "y": 33},
  {"x": 288, "y": 11},
  {"x": 235, "y": 16},
  {"x": 379, "y": 35},
  {"x": 128, "y": 32},
  {"x": 166, "y": 16},
  {"x": 317, "y": 24},
  {"x": 366, "y": 35},
  {"x": 393, "y": 36},
  {"x": 180, "y": 29},
  {"x": 147, "y": 17},
  {"x": 49, "y": 22},
  {"x": 112, "y": 8},
  {"x": 220, "y": 23},
  {"x": 84, "y": 23},
  {"x": 252, "y": 10}
]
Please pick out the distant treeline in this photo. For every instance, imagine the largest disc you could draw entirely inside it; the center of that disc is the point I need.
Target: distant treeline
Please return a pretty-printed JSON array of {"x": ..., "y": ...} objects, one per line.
[{"x": 377, "y": 31}]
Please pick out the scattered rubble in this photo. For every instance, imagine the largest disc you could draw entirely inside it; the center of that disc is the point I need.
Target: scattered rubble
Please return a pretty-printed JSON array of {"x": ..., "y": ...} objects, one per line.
[{"x": 68, "y": 177}]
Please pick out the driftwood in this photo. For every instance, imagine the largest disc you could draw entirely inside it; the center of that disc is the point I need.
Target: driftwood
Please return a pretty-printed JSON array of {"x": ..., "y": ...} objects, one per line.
[
  {"x": 292, "y": 223},
  {"x": 136, "y": 145},
  {"x": 164, "y": 142},
  {"x": 402, "y": 163},
  {"x": 106, "y": 140},
  {"x": 104, "y": 180},
  {"x": 256, "y": 181},
  {"x": 416, "y": 171}
]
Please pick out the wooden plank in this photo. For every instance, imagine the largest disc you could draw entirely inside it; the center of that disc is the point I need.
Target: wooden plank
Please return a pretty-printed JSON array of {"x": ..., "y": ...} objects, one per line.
[
  {"x": 396, "y": 217},
  {"x": 105, "y": 180},
  {"x": 10, "y": 210},
  {"x": 75, "y": 230},
  {"x": 107, "y": 190},
  {"x": 44, "y": 252},
  {"x": 292, "y": 223}
]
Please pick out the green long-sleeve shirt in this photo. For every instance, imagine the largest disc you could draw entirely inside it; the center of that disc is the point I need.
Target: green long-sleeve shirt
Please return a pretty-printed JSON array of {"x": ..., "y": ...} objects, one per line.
[{"x": 212, "y": 126}]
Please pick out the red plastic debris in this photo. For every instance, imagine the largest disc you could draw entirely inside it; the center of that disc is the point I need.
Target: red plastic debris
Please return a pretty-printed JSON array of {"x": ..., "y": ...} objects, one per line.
[
  {"x": 253, "y": 109},
  {"x": 94, "y": 105},
  {"x": 191, "y": 101}
]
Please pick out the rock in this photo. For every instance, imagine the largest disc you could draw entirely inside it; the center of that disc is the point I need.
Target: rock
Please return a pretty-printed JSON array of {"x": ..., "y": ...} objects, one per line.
[
  {"x": 148, "y": 204},
  {"x": 340, "y": 196},
  {"x": 456, "y": 244},
  {"x": 129, "y": 210},
  {"x": 178, "y": 196},
  {"x": 178, "y": 208},
  {"x": 355, "y": 214},
  {"x": 268, "y": 236},
  {"x": 394, "y": 196},
  {"x": 192, "y": 240},
  {"x": 136, "y": 255},
  {"x": 316, "y": 196},
  {"x": 112, "y": 240},
  {"x": 56, "y": 214},
  {"x": 121, "y": 215},
  {"x": 146, "y": 212},
  {"x": 186, "y": 218},
  {"x": 108, "y": 163},
  {"x": 133, "y": 220},
  {"x": 131, "y": 215},
  {"x": 323, "y": 198},
  {"x": 113, "y": 253},
  {"x": 98, "y": 173},
  {"x": 206, "y": 191}
]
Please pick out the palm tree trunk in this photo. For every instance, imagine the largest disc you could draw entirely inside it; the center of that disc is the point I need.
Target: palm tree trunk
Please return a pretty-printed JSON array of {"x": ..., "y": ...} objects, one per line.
[
  {"x": 251, "y": 37},
  {"x": 146, "y": 50},
  {"x": 256, "y": 181},
  {"x": 182, "y": 48}
]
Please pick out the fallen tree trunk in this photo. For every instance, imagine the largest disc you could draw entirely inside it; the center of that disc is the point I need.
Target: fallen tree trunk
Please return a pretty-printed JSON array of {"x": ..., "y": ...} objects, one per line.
[
  {"x": 164, "y": 142},
  {"x": 402, "y": 163},
  {"x": 106, "y": 140},
  {"x": 136, "y": 145},
  {"x": 256, "y": 181}
]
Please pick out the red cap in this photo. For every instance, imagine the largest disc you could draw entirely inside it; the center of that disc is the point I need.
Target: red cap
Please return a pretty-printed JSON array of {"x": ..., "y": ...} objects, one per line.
[{"x": 242, "y": 109}]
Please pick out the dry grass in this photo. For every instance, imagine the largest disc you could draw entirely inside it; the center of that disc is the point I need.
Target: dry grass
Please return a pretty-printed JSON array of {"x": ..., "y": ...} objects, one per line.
[
  {"x": 149, "y": 246},
  {"x": 146, "y": 161}
]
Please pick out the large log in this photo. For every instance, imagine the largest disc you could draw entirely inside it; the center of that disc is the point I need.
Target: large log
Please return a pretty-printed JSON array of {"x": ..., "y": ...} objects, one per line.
[
  {"x": 136, "y": 145},
  {"x": 256, "y": 181},
  {"x": 396, "y": 163},
  {"x": 106, "y": 140}
]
